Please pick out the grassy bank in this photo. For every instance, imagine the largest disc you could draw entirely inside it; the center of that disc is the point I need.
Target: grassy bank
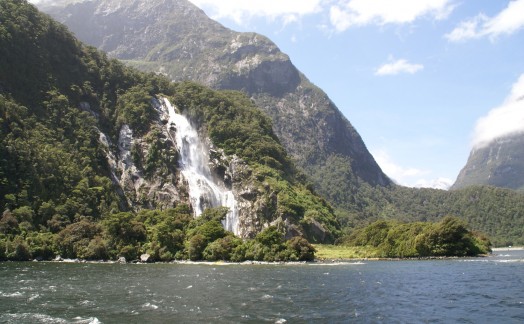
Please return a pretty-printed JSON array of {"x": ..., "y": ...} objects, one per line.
[{"x": 338, "y": 252}]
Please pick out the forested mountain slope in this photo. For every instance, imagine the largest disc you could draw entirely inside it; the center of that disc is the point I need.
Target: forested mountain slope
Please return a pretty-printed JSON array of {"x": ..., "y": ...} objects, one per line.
[
  {"x": 178, "y": 39},
  {"x": 89, "y": 166},
  {"x": 497, "y": 212}
]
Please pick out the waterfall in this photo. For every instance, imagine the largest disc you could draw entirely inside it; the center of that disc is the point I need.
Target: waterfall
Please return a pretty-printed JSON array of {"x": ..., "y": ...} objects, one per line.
[{"x": 205, "y": 191}]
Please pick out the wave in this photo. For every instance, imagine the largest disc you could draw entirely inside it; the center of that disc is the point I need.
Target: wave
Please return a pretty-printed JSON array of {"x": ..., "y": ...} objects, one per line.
[{"x": 11, "y": 295}]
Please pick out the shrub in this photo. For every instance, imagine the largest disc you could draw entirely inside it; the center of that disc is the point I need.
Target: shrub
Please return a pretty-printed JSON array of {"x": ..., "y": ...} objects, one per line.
[
  {"x": 8, "y": 223},
  {"x": 73, "y": 241},
  {"x": 300, "y": 249},
  {"x": 195, "y": 247},
  {"x": 18, "y": 250},
  {"x": 95, "y": 250},
  {"x": 222, "y": 249},
  {"x": 42, "y": 245}
]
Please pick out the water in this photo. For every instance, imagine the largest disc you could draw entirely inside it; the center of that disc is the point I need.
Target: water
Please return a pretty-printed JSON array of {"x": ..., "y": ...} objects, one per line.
[
  {"x": 479, "y": 290},
  {"x": 205, "y": 191}
]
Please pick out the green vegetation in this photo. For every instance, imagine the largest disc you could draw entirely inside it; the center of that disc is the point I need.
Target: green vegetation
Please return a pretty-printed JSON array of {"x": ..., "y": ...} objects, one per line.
[
  {"x": 320, "y": 140},
  {"x": 56, "y": 192},
  {"x": 57, "y": 195},
  {"x": 235, "y": 125},
  {"x": 53, "y": 169},
  {"x": 449, "y": 237},
  {"x": 344, "y": 252},
  {"x": 164, "y": 235},
  {"x": 392, "y": 239},
  {"x": 497, "y": 212}
]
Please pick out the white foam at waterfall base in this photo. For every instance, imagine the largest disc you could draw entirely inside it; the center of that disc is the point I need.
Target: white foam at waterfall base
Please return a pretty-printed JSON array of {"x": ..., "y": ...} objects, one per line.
[{"x": 205, "y": 191}]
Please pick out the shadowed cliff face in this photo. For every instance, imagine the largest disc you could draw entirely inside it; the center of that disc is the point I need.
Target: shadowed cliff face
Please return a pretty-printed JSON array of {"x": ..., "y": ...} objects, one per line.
[
  {"x": 177, "y": 39},
  {"x": 499, "y": 164}
]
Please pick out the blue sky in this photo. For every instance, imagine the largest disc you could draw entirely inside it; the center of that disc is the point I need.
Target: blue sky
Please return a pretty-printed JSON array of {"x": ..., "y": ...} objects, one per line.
[{"x": 421, "y": 80}]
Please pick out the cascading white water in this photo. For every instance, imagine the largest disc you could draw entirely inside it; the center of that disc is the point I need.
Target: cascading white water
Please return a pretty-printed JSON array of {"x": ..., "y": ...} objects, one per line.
[{"x": 204, "y": 190}]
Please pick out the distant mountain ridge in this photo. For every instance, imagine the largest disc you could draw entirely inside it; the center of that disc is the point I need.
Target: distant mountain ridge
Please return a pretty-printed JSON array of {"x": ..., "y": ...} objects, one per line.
[
  {"x": 499, "y": 163},
  {"x": 179, "y": 40}
]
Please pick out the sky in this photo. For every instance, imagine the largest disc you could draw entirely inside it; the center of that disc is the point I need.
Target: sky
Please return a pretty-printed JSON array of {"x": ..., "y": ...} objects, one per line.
[{"x": 423, "y": 81}]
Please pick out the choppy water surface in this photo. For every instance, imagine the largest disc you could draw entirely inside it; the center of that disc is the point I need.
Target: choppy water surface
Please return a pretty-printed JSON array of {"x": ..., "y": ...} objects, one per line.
[{"x": 479, "y": 290}]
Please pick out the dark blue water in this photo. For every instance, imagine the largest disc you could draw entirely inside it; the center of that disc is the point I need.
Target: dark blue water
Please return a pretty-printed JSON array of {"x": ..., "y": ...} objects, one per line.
[{"x": 480, "y": 290}]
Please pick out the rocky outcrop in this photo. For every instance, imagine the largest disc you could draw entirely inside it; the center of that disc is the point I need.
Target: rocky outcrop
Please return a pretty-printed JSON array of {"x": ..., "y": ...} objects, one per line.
[
  {"x": 146, "y": 258},
  {"x": 140, "y": 190}
]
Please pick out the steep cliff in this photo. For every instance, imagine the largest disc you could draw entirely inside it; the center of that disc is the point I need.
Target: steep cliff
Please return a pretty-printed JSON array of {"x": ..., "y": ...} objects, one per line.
[
  {"x": 499, "y": 163},
  {"x": 177, "y": 39}
]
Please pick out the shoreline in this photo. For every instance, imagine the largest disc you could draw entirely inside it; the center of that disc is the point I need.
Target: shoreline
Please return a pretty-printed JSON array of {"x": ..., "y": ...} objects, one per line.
[
  {"x": 319, "y": 261},
  {"x": 355, "y": 261}
]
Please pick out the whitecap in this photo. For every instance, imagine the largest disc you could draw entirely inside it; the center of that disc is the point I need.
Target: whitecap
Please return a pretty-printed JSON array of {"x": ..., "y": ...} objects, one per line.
[
  {"x": 280, "y": 321},
  {"x": 189, "y": 287},
  {"x": 86, "y": 303},
  {"x": 33, "y": 318},
  {"x": 89, "y": 320},
  {"x": 149, "y": 306},
  {"x": 267, "y": 297},
  {"x": 509, "y": 260},
  {"x": 49, "y": 319},
  {"x": 33, "y": 297},
  {"x": 12, "y": 295}
]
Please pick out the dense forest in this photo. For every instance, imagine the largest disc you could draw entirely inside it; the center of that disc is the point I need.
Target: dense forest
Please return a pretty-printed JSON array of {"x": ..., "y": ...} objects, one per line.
[
  {"x": 57, "y": 195},
  {"x": 497, "y": 212}
]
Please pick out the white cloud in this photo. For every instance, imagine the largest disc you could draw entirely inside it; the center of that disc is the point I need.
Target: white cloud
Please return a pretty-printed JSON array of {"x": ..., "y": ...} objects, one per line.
[
  {"x": 397, "y": 67},
  {"x": 504, "y": 120},
  {"x": 240, "y": 10},
  {"x": 508, "y": 21},
  {"x": 347, "y": 13},
  {"x": 342, "y": 13},
  {"x": 439, "y": 183},
  {"x": 409, "y": 177},
  {"x": 396, "y": 172}
]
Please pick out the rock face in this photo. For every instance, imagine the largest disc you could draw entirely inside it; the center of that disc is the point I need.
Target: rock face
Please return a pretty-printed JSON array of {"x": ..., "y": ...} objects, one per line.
[
  {"x": 177, "y": 39},
  {"x": 146, "y": 258},
  {"x": 499, "y": 163},
  {"x": 138, "y": 190}
]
